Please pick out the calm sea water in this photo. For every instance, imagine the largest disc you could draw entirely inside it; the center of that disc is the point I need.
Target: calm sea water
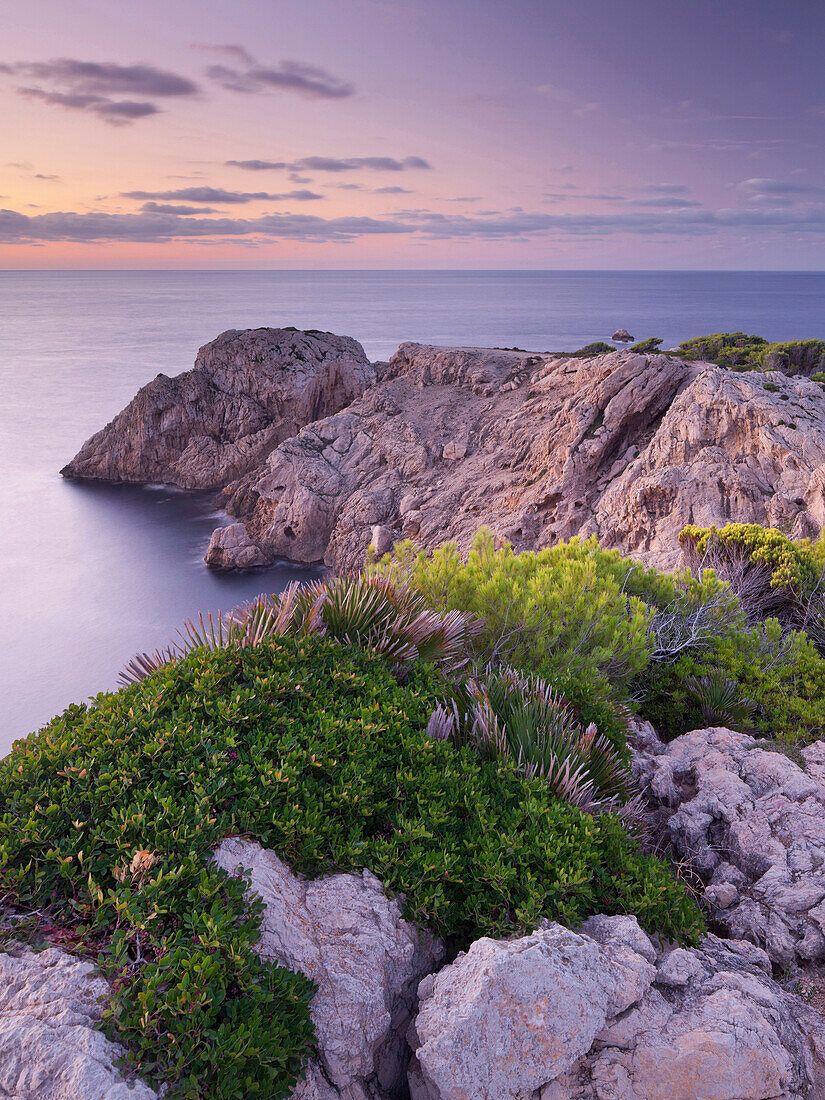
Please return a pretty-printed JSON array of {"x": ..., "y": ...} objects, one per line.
[{"x": 91, "y": 574}]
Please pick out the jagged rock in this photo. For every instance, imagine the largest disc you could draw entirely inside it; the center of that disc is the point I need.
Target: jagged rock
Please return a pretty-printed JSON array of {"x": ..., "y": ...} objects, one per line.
[
  {"x": 248, "y": 391},
  {"x": 603, "y": 1015},
  {"x": 752, "y": 824},
  {"x": 625, "y": 446},
  {"x": 621, "y": 335},
  {"x": 232, "y": 548},
  {"x": 347, "y": 936},
  {"x": 50, "y": 1003}
]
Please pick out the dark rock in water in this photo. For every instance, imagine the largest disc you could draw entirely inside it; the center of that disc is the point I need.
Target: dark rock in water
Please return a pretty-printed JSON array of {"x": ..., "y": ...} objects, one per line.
[
  {"x": 622, "y": 336},
  {"x": 249, "y": 390}
]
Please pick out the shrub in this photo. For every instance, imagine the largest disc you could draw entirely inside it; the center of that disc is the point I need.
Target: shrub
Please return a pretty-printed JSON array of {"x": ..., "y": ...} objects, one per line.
[
  {"x": 108, "y": 816},
  {"x": 649, "y": 346},
  {"x": 783, "y": 675},
  {"x": 518, "y": 716},
  {"x": 369, "y": 609},
  {"x": 738, "y": 351},
  {"x": 590, "y": 350}
]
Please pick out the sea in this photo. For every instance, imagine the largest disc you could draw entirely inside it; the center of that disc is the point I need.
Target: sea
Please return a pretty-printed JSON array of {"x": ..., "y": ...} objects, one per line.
[{"x": 92, "y": 574}]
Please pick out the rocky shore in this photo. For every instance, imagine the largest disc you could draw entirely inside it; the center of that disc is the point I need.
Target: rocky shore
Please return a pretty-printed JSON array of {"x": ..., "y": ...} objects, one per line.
[{"x": 319, "y": 455}]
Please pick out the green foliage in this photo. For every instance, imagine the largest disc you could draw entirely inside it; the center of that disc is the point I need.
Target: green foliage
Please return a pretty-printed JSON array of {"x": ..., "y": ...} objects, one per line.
[
  {"x": 590, "y": 350},
  {"x": 738, "y": 351},
  {"x": 783, "y": 676},
  {"x": 571, "y": 612},
  {"x": 719, "y": 699},
  {"x": 518, "y": 716},
  {"x": 649, "y": 346},
  {"x": 108, "y": 816},
  {"x": 368, "y": 609}
]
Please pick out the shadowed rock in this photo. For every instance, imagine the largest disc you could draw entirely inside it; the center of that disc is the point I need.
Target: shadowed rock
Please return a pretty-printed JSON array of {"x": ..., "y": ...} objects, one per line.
[{"x": 248, "y": 391}]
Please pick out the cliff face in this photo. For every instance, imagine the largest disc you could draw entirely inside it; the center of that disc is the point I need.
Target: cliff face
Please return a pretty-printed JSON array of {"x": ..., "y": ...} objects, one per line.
[
  {"x": 625, "y": 446},
  {"x": 317, "y": 463},
  {"x": 248, "y": 391}
]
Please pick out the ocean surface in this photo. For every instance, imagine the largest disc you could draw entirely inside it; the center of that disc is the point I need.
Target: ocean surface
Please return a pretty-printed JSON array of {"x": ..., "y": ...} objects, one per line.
[{"x": 90, "y": 574}]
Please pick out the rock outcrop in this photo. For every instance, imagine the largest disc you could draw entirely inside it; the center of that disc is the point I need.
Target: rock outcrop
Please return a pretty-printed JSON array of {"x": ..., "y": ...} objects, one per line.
[
  {"x": 625, "y": 446},
  {"x": 602, "y": 1014},
  {"x": 248, "y": 391},
  {"x": 50, "y": 1003},
  {"x": 752, "y": 825},
  {"x": 351, "y": 940},
  {"x": 319, "y": 464}
]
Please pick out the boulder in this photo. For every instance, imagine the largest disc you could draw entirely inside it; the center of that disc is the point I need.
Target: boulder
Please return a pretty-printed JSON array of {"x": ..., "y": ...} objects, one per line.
[
  {"x": 604, "y": 1014},
  {"x": 232, "y": 548},
  {"x": 248, "y": 391},
  {"x": 752, "y": 824},
  {"x": 346, "y": 935},
  {"x": 50, "y": 1004},
  {"x": 621, "y": 336}
]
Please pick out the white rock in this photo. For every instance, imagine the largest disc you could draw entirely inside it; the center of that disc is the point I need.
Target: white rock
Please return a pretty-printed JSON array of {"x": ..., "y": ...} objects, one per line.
[
  {"x": 352, "y": 941},
  {"x": 50, "y": 1003}
]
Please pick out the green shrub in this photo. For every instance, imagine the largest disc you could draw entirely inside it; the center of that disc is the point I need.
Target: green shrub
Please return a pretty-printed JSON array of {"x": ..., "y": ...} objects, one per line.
[
  {"x": 590, "y": 350},
  {"x": 649, "y": 346},
  {"x": 738, "y": 351},
  {"x": 518, "y": 716},
  {"x": 108, "y": 816},
  {"x": 784, "y": 677}
]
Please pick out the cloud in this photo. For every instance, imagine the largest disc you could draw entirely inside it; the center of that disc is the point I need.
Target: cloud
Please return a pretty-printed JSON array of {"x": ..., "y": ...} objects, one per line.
[
  {"x": 310, "y": 81},
  {"x": 93, "y": 86},
  {"x": 665, "y": 188},
  {"x": 157, "y": 226},
  {"x": 174, "y": 208},
  {"x": 778, "y": 188},
  {"x": 392, "y": 191},
  {"x": 218, "y": 195},
  {"x": 332, "y": 164}
]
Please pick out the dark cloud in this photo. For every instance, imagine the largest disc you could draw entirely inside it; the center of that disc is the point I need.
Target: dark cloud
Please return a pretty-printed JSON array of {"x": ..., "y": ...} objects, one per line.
[
  {"x": 173, "y": 208},
  {"x": 671, "y": 202},
  {"x": 310, "y": 81},
  {"x": 423, "y": 224},
  {"x": 45, "y": 176},
  {"x": 218, "y": 195},
  {"x": 392, "y": 191},
  {"x": 665, "y": 188},
  {"x": 779, "y": 188},
  {"x": 332, "y": 164},
  {"x": 96, "y": 87}
]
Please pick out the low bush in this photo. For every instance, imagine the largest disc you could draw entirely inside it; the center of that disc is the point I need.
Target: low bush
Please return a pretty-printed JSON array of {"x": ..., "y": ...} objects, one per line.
[
  {"x": 108, "y": 816},
  {"x": 649, "y": 346},
  {"x": 591, "y": 350},
  {"x": 738, "y": 351},
  {"x": 519, "y": 717}
]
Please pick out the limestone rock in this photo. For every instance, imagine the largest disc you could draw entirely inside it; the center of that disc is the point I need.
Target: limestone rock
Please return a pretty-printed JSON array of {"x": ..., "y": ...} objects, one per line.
[
  {"x": 347, "y": 936},
  {"x": 232, "y": 548},
  {"x": 752, "y": 824},
  {"x": 50, "y": 1003},
  {"x": 621, "y": 335},
  {"x": 604, "y": 1015},
  {"x": 625, "y": 446},
  {"x": 248, "y": 391}
]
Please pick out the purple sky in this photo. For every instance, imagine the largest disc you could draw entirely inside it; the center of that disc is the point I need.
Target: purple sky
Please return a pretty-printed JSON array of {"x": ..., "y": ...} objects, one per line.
[{"x": 417, "y": 133}]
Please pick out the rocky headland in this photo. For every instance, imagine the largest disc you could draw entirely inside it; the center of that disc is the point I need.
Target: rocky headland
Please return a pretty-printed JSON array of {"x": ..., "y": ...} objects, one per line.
[{"x": 319, "y": 455}]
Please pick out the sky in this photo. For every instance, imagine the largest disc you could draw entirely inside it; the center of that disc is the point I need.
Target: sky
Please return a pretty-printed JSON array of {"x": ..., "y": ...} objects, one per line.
[{"x": 529, "y": 134}]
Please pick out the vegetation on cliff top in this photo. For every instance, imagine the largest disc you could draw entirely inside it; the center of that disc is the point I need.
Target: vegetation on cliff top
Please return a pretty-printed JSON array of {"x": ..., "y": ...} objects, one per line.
[{"x": 108, "y": 816}]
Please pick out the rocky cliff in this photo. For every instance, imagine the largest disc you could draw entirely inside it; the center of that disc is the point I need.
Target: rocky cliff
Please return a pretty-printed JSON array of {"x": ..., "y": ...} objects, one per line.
[
  {"x": 318, "y": 464},
  {"x": 248, "y": 391},
  {"x": 624, "y": 446}
]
